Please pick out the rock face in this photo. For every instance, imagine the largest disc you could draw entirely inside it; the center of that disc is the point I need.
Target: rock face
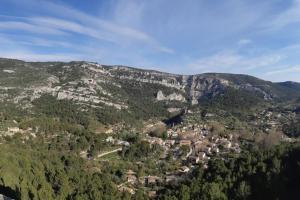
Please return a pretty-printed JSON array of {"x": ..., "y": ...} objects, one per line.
[
  {"x": 201, "y": 86},
  {"x": 172, "y": 97},
  {"x": 160, "y": 96}
]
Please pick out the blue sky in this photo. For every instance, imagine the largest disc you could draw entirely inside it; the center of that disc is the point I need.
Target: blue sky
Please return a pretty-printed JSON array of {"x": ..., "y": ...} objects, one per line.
[{"x": 260, "y": 38}]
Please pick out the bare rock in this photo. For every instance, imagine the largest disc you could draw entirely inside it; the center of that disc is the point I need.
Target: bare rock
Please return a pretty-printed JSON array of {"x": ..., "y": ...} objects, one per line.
[{"x": 172, "y": 97}]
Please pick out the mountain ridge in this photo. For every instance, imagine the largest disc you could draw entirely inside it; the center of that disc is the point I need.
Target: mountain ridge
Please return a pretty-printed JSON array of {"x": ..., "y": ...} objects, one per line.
[
  {"x": 137, "y": 92},
  {"x": 145, "y": 69}
]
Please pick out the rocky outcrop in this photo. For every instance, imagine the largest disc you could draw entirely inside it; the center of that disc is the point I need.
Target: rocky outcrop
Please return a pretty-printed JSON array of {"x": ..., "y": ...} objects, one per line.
[
  {"x": 9, "y": 71},
  {"x": 173, "y": 110},
  {"x": 172, "y": 97},
  {"x": 201, "y": 86}
]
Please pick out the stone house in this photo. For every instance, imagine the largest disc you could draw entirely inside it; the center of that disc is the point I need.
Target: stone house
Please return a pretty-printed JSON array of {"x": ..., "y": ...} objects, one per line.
[
  {"x": 126, "y": 189},
  {"x": 131, "y": 177}
]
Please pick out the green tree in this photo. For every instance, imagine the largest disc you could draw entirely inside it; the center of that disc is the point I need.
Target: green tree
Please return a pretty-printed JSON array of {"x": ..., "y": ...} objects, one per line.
[
  {"x": 212, "y": 191},
  {"x": 184, "y": 193},
  {"x": 243, "y": 191}
]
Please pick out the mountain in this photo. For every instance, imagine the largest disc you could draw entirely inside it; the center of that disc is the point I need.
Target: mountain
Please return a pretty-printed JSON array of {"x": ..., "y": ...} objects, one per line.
[{"x": 111, "y": 92}]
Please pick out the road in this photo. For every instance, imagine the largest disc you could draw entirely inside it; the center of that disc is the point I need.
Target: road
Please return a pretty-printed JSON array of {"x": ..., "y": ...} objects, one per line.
[{"x": 109, "y": 152}]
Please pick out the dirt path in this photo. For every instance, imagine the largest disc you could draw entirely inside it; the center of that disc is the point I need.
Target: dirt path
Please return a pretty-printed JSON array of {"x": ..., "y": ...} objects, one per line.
[{"x": 109, "y": 152}]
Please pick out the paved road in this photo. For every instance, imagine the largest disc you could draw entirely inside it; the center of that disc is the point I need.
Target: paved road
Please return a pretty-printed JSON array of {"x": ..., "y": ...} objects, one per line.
[{"x": 109, "y": 152}]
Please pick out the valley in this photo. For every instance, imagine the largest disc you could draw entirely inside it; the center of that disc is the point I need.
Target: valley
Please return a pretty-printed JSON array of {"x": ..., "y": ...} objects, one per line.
[{"x": 90, "y": 130}]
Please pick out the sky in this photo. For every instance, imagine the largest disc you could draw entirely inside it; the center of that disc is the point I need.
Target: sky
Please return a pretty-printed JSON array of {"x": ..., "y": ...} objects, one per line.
[{"x": 259, "y": 38}]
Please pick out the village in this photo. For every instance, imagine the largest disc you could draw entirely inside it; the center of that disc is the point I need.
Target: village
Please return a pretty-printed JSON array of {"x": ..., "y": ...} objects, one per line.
[{"x": 190, "y": 145}]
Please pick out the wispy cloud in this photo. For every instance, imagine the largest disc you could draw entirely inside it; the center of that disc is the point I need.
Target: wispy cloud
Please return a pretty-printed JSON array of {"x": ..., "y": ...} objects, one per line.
[
  {"x": 70, "y": 26},
  {"x": 7, "y": 40},
  {"x": 284, "y": 70},
  {"x": 233, "y": 62},
  {"x": 68, "y": 19},
  {"x": 18, "y": 25},
  {"x": 120, "y": 33},
  {"x": 289, "y": 16},
  {"x": 32, "y": 56},
  {"x": 101, "y": 31},
  {"x": 46, "y": 43}
]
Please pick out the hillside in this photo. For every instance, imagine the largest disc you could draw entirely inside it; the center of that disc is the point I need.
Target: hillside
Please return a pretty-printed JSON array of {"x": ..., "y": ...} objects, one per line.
[
  {"x": 100, "y": 97},
  {"x": 130, "y": 91}
]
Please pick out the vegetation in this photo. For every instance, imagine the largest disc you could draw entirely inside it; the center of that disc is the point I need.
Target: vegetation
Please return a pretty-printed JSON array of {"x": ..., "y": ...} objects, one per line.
[
  {"x": 41, "y": 174},
  {"x": 292, "y": 129},
  {"x": 237, "y": 102},
  {"x": 271, "y": 174},
  {"x": 141, "y": 150},
  {"x": 65, "y": 110}
]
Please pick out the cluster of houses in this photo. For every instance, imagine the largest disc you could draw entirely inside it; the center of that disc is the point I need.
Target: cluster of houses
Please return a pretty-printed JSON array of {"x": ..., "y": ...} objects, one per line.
[
  {"x": 197, "y": 139},
  {"x": 132, "y": 181},
  {"x": 150, "y": 183},
  {"x": 200, "y": 146}
]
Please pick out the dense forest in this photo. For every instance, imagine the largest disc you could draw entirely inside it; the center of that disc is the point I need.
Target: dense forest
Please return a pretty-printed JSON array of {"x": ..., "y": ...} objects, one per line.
[
  {"x": 31, "y": 174},
  {"x": 271, "y": 174}
]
